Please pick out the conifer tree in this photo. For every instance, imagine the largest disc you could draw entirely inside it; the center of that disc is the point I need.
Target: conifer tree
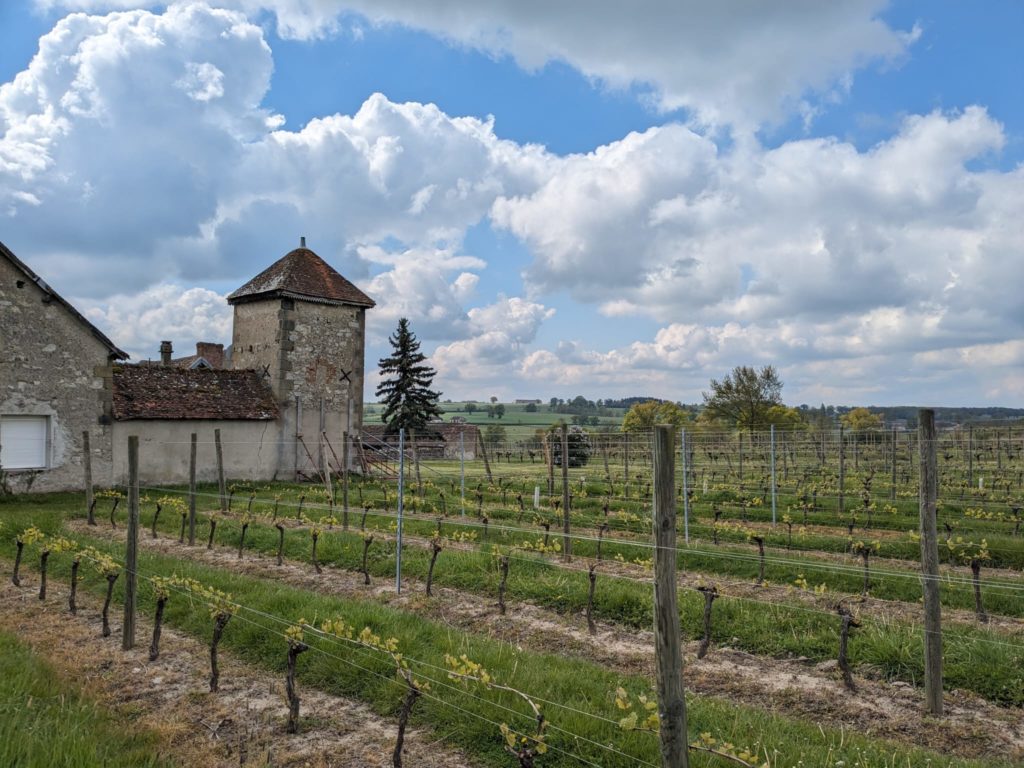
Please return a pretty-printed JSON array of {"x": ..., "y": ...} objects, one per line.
[{"x": 405, "y": 383}]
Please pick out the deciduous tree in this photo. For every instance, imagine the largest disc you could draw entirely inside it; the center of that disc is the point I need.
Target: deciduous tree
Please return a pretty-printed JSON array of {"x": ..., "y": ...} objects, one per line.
[
  {"x": 494, "y": 435},
  {"x": 643, "y": 416},
  {"x": 861, "y": 419},
  {"x": 784, "y": 417},
  {"x": 744, "y": 396}
]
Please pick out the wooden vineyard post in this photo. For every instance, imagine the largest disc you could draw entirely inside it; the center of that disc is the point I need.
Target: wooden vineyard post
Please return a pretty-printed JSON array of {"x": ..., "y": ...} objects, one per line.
[
  {"x": 325, "y": 463},
  {"x": 740, "y": 437},
  {"x": 842, "y": 472},
  {"x": 667, "y": 640},
  {"x": 344, "y": 480},
  {"x": 221, "y": 486},
  {"x": 87, "y": 468},
  {"x": 483, "y": 452},
  {"x": 131, "y": 547},
  {"x": 416, "y": 463},
  {"x": 892, "y": 480},
  {"x": 566, "y": 541},
  {"x": 625, "y": 463},
  {"x": 401, "y": 510},
  {"x": 686, "y": 489},
  {"x": 910, "y": 452},
  {"x": 550, "y": 456},
  {"x": 775, "y": 484},
  {"x": 930, "y": 561},
  {"x": 192, "y": 491},
  {"x": 970, "y": 455},
  {"x": 462, "y": 470}
]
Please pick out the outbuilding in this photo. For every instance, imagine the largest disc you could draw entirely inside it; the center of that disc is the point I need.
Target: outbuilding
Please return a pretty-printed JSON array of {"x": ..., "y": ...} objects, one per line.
[{"x": 284, "y": 396}]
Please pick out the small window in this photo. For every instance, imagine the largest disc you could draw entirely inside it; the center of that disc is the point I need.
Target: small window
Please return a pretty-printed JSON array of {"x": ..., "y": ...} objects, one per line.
[{"x": 24, "y": 442}]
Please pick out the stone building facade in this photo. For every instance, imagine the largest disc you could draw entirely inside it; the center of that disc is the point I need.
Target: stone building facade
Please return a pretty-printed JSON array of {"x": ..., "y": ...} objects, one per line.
[
  {"x": 303, "y": 327},
  {"x": 165, "y": 404},
  {"x": 55, "y": 384},
  {"x": 282, "y": 396}
]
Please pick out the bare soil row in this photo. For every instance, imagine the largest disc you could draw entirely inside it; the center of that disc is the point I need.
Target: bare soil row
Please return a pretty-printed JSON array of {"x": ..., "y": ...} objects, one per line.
[
  {"x": 242, "y": 724},
  {"x": 972, "y": 727}
]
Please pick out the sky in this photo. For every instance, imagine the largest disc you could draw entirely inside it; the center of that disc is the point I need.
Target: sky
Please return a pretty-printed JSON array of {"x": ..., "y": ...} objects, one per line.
[{"x": 583, "y": 197}]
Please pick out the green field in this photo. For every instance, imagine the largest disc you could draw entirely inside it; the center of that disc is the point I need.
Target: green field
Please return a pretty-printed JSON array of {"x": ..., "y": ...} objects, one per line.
[{"x": 519, "y": 423}]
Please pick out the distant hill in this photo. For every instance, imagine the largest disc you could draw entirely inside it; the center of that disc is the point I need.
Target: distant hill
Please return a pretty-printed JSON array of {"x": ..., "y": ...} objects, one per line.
[
  {"x": 629, "y": 402},
  {"x": 908, "y": 414},
  {"x": 954, "y": 415}
]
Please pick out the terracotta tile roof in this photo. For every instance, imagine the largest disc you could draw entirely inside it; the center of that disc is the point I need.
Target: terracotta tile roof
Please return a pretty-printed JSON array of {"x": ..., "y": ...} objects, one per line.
[
  {"x": 302, "y": 275},
  {"x": 115, "y": 353},
  {"x": 169, "y": 392}
]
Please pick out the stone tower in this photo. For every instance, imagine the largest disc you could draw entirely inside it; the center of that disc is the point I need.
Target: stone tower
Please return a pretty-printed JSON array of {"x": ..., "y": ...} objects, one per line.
[{"x": 303, "y": 326}]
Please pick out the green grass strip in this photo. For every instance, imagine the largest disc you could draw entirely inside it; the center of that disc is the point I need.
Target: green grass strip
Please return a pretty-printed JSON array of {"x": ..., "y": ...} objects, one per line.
[
  {"x": 45, "y": 722},
  {"x": 575, "y": 684}
]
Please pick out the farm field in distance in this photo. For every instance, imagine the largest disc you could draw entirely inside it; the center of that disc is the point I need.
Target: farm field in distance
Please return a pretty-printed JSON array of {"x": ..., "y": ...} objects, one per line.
[
  {"x": 518, "y": 423},
  {"x": 512, "y": 626}
]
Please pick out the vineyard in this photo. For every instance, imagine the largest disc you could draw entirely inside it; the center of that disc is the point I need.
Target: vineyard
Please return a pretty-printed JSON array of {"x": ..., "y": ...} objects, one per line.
[{"x": 499, "y": 611}]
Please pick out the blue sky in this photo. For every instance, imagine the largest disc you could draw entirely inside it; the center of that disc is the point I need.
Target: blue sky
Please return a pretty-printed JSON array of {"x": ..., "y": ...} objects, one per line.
[{"x": 596, "y": 202}]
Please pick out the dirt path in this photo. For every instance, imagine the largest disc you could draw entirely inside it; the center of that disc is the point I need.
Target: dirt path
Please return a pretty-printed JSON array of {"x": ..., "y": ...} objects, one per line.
[
  {"x": 243, "y": 724},
  {"x": 973, "y": 727}
]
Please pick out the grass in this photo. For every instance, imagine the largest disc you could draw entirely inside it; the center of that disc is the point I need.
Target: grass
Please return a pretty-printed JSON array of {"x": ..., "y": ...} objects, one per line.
[
  {"x": 734, "y": 558},
  {"x": 45, "y": 722},
  {"x": 753, "y": 626},
  {"x": 571, "y": 683},
  {"x": 574, "y": 687},
  {"x": 977, "y": 659}
]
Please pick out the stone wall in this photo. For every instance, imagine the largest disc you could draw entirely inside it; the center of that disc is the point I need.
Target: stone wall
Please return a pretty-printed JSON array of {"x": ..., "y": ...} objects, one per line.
[
  {"x": 328, "y": 342},
  {"x": 52, "y": 365},
  {"x": 259, "y": 328},
  {"x": 249, "y": 447},
  {"x": 305, "y": 347}
]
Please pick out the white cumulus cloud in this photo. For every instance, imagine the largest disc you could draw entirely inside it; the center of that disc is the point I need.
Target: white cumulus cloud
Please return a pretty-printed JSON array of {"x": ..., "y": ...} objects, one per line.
[
  {"x": 730, "y": 63},
  {"x": 899, "y": 247},
  {"x": 139, "y": 322},
  {"x": 145, "y": 136}
]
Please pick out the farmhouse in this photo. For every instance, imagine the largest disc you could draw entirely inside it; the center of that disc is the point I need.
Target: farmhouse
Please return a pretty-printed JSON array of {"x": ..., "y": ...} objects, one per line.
[{"x": 282, "y": 396}]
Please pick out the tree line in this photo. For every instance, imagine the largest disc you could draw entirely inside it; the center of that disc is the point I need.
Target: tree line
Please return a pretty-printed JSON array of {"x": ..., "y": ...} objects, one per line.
[{"x": 747, "y": 398}]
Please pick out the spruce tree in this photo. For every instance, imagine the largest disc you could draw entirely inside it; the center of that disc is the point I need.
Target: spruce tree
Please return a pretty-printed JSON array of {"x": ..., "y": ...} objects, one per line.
[{"x": 405, "y": 383}]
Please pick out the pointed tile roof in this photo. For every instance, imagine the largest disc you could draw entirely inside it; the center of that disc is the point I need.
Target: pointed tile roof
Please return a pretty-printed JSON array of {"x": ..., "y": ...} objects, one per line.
[{"x": 301, "y": 275}]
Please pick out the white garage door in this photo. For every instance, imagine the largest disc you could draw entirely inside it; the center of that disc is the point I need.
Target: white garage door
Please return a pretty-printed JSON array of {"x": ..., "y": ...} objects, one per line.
[{"x": 23, "y": 441}]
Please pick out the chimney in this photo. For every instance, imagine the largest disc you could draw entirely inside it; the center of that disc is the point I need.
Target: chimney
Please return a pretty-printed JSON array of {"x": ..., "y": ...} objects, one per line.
[
  {"x": 212, "y": 353},
  {"x": 302, "y": 242},
  {"x": 165, "y": 353}
]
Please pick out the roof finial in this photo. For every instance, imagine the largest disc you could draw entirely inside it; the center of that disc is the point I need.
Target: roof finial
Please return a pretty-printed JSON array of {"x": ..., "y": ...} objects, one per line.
[{"x": 302, "y": 241}]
